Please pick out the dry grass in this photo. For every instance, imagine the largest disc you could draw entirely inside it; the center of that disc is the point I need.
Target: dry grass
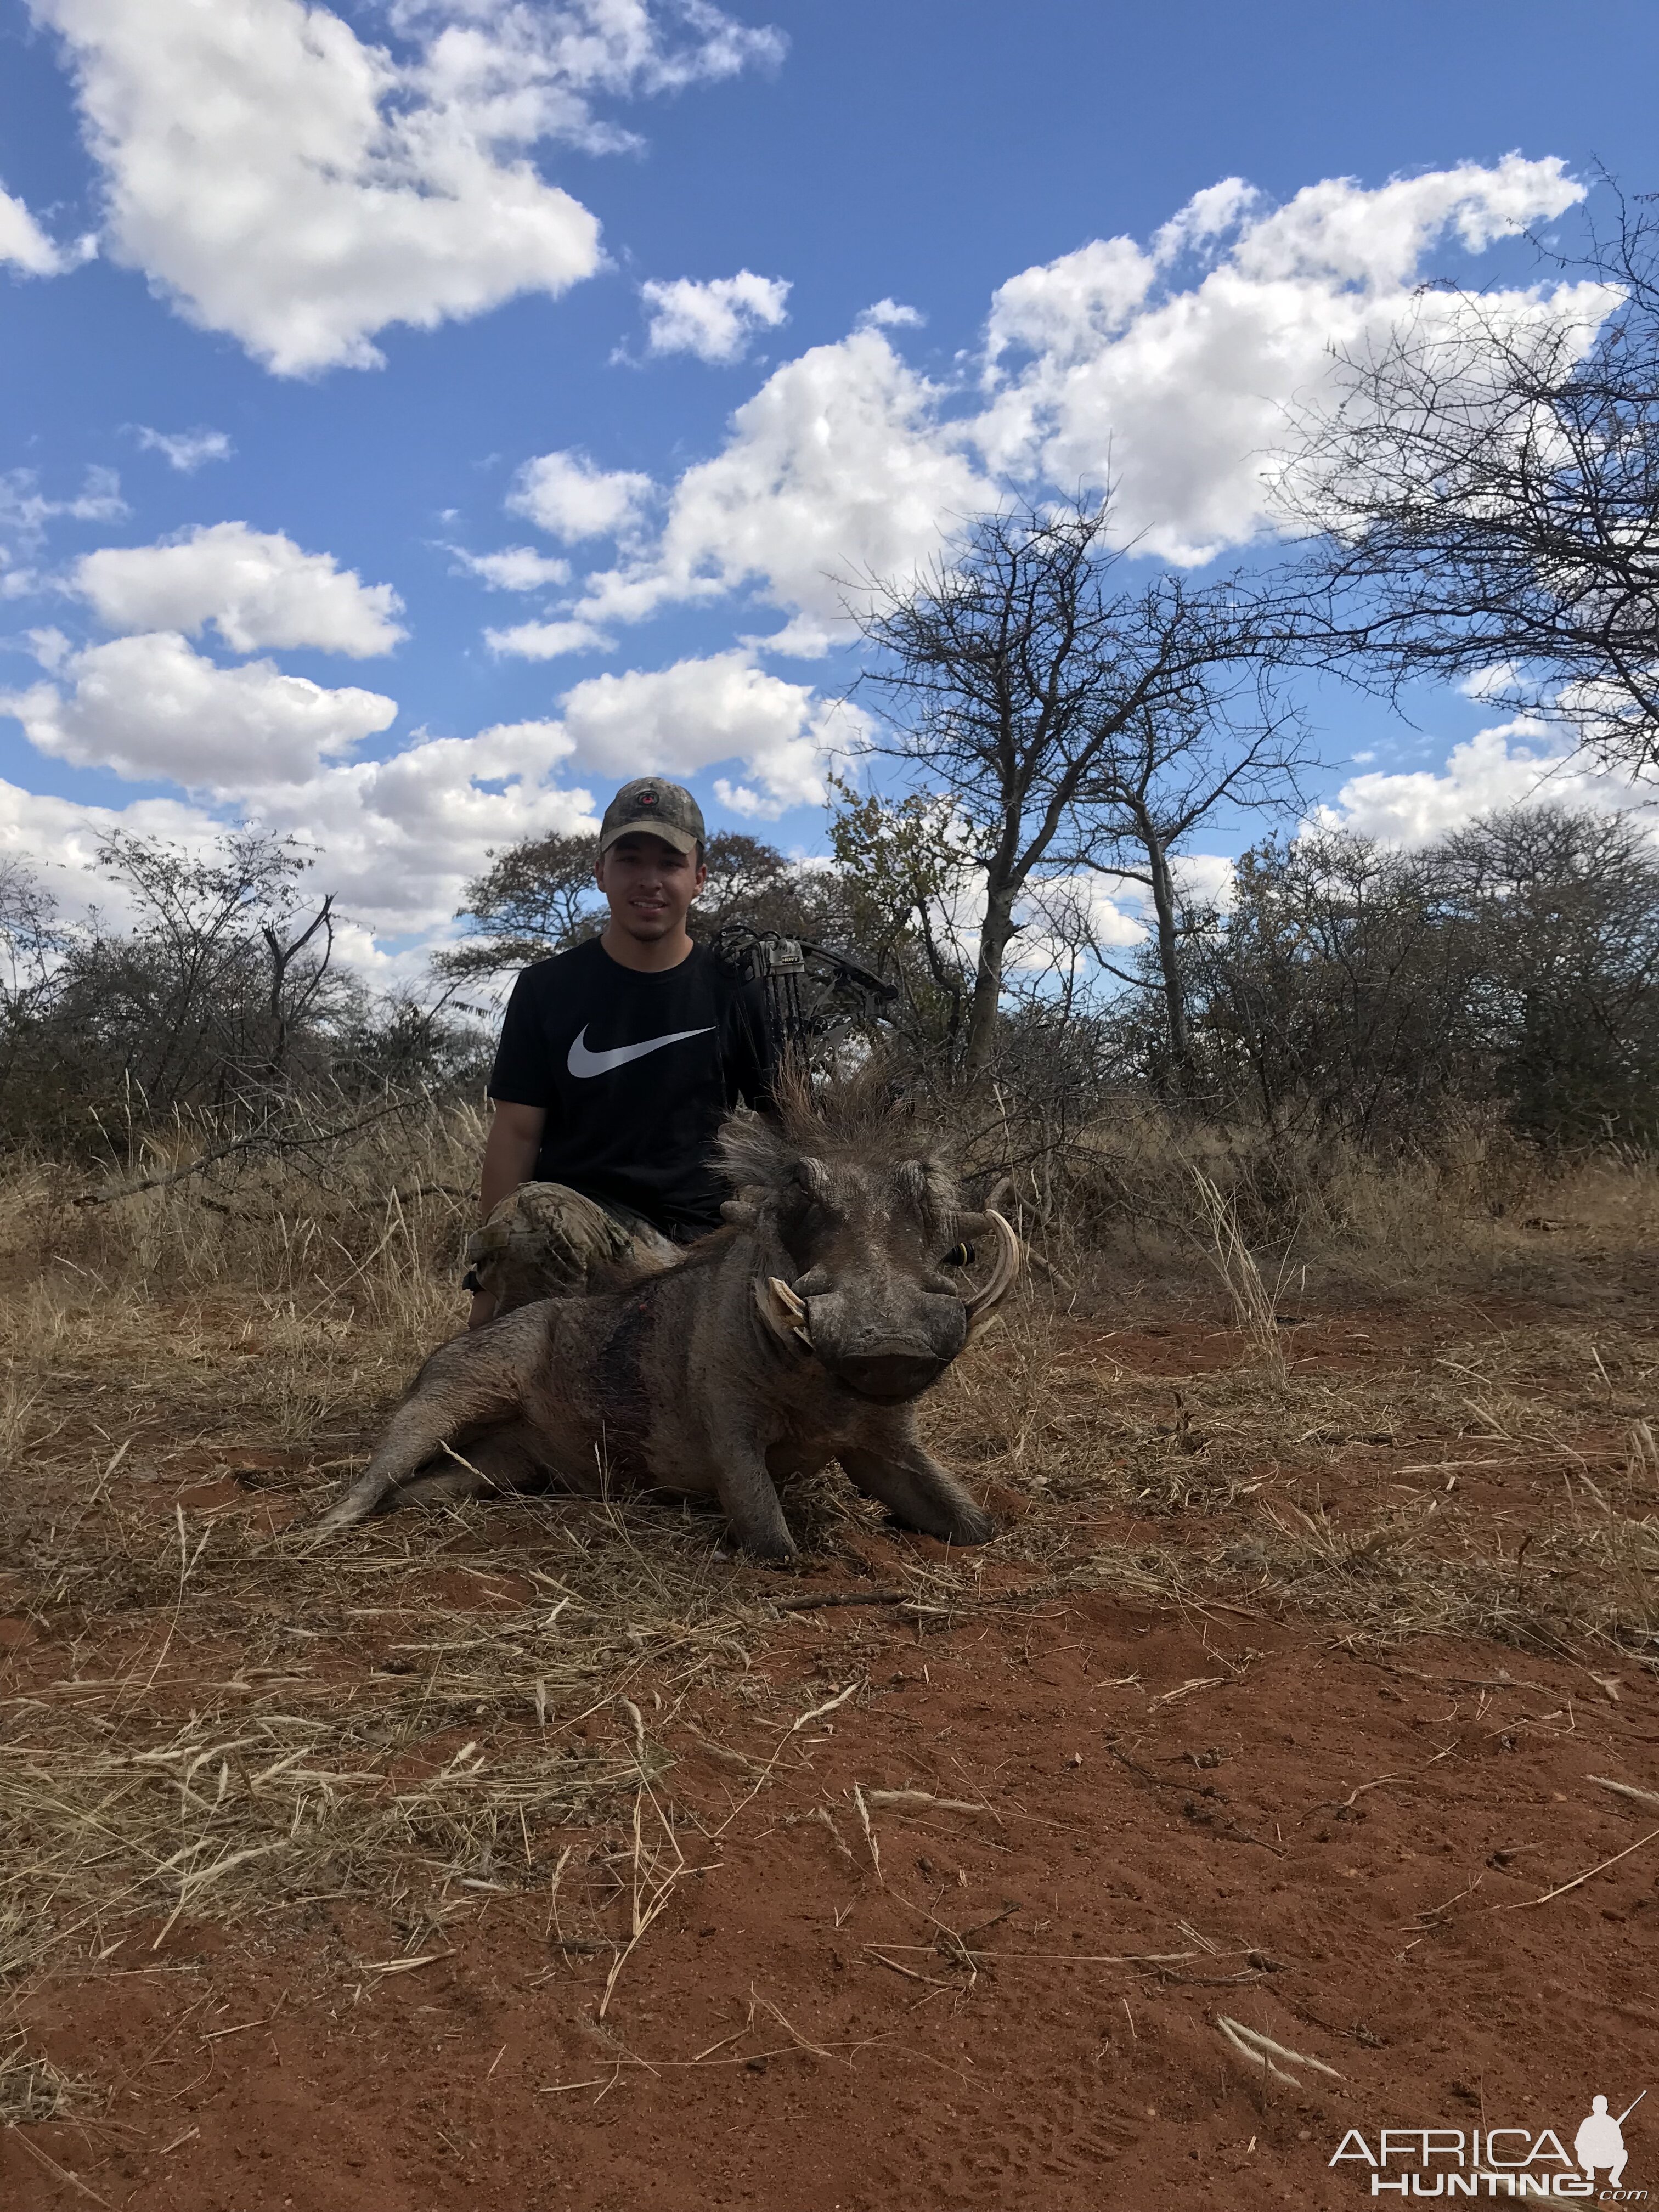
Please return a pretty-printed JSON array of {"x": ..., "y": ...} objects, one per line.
[
  {"x": 1255, "y": 1302},
  {"x": 32, "y": 2088},
  {"x": 1502, "y": 1486},
  {"x": 1142, "y": 1193},
  {"x": 207, "y": 1719}
]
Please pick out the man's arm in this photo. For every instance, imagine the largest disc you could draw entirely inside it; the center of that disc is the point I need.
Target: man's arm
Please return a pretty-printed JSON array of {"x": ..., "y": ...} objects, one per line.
[
  {"x": 510, "y": 1149},
  {"x": 754, "y": 1068}
]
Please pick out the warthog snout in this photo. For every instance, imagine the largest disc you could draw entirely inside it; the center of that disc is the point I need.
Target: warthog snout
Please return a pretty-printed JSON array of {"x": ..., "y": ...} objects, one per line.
[
  {"x": 891, "y": 1370},
  {"x": 874, "y": 1297}
]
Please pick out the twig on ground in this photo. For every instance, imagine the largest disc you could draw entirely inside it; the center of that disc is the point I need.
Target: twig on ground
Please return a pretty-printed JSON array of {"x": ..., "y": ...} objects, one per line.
[
  {"x": 1588, "y": 1874},
  {"x": 62, "y": 2171},
  {"x": 1262, "y": 2051},
  {"x": 829, "y": 1705},
  {"x": 1344, "y": 1804},
  {"x": 922, "y": 1797},
  {"x": 869, "y": 1832},
  {"x": 1625, "y": 1789},
  {"x": 1432, "y": 1916},
  {"x": 813, "y": 1600},
  {"x": 909, "y": 1972}
]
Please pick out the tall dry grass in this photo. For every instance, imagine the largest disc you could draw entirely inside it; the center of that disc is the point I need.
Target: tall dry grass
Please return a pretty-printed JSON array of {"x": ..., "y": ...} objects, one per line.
[{"x": 1166, "y": 1196}]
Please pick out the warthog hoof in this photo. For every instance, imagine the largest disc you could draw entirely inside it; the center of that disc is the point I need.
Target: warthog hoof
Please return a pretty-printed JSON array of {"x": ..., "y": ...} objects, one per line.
[
  {"x": 973, "y": 1527},
  {"x": 768, "y": 1551}
]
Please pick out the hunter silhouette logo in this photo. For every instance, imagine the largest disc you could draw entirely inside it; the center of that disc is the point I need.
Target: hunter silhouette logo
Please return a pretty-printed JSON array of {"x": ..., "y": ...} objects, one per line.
[
  {"x": 1498, "y": 2162},
  {"x": 1601, "y": 2141}
]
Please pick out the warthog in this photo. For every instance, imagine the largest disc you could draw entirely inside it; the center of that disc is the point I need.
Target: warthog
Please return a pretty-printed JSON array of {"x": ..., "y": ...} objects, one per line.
[{"x": 802, "y": 1332}]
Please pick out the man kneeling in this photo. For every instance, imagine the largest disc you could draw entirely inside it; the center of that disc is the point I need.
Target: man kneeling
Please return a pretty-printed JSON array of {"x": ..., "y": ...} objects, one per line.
[{"x": 618, "y": 1061}]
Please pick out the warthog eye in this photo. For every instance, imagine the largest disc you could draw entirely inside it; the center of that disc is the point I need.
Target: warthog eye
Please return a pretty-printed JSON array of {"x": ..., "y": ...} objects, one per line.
[{"x": 959, "y": 1256}]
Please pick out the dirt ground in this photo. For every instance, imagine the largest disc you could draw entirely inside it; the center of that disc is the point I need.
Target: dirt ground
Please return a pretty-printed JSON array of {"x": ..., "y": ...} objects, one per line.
[{"x": 1255, "y": 1790}]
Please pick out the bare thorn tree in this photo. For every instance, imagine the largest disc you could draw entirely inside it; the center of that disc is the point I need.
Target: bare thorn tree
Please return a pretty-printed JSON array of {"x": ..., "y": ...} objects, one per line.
[
  {"x": 295, "y": 991},
  {"x": 1169, "y": 769},
  {"x": 1022, "y": 676},
  {"x": 1485, "y": 488}
]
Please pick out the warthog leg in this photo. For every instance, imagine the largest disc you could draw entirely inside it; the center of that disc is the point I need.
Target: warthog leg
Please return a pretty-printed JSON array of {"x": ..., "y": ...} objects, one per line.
[
  {"x": 455, "y": 1391},
  {"x": 499, "y": 1465},
  {"x": 749, "y": 1498},
  {"x": 917, "y": 1491}
]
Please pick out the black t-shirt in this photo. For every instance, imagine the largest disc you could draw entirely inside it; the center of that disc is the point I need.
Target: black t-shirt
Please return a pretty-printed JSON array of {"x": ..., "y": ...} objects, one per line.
[{"x": 635, "y": 1072}]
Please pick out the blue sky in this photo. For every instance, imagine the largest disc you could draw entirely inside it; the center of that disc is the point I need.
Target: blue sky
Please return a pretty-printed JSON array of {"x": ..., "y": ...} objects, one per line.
[{"x": 592, "y": 285}]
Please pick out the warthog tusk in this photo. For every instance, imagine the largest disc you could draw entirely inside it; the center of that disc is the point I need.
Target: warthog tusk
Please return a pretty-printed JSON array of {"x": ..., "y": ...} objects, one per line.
[
  {"x": 780, "y": 1309},
  {"x": 981, "y": 1307}
]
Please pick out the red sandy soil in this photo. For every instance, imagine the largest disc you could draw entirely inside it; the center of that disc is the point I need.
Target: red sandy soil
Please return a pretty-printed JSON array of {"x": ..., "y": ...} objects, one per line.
[{"x": 1174, "y": 1819}]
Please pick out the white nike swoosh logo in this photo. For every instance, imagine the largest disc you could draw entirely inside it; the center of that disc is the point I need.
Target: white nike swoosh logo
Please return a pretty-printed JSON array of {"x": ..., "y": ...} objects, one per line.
[{"x": 582, "y": 1063}]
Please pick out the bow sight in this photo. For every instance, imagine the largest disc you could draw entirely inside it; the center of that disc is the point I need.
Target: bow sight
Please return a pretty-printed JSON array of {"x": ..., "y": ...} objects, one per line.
[{"x": 815, "y": 999}]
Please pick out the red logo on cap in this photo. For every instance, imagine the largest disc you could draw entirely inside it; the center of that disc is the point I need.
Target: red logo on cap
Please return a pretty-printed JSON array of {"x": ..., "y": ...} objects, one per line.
[{"x": 647, "y": 799}]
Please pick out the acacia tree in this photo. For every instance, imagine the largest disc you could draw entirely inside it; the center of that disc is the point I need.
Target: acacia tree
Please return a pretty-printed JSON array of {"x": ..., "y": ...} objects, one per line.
[
  {"x": 535, "y": 898},
  {"x": 1483, "y": 488},
  {"x": 220, "y": 993},
  {"x": 1512, "y": 963},
  {"x": 1338, "y": 991},
  {"x": 1563, "y": 905},
  {"x": 223, "y": 971},
  {"x": 901, "y": 885},
  {"x": 1164, "y": 773},
  {"x": 1049, "y": 706}
]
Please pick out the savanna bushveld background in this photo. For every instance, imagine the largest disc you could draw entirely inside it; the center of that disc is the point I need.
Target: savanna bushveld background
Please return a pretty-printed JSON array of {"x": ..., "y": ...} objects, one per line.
[{"x": 1283, "y": 1768}]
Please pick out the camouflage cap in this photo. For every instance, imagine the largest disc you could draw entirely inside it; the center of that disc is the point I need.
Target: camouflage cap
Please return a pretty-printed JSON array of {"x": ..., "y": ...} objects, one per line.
[{"x": 657, "y": 808}]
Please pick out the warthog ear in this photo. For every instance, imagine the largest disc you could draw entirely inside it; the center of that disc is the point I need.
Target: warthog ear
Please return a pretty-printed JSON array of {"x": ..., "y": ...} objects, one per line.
[
  {"x": 982, "y": 1306},
  {"x": 812, "y": 1176},
  {"x": 780, "y": 1309},
  {"x": 926, "y": 1183}
]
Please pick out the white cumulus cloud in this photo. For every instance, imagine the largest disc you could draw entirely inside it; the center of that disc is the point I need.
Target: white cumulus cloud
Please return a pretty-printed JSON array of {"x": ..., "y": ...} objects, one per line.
[
  {"x": 893, "y": 315},
  {"x": 257, "y": 588},
  {"x": 57, "y": 839},
  {"x": 515, "y": 568},
  {"x": 1169, "y": 367},
  {"x": 838, "y": 467},
  {"x": 150, "y": 706},
  {"x": 713, "y": 320},
  {"x": 1513, "y": 764},
  {"x": 26, "y": 510},
  {"x": 401, "y": 838},
  {"x": 279, "y": 178},
  {"x": 25, "y": 246},
  {"x": 1067, "y": 309},
  {"x": 566, "y": 495},
  {"x": 545, "y": 640},
  {"x": 185, "y": 450},
  {"x": 398, "y": 841},
  {"x": 700, "y": 713},
  {"x": 1179, "y": 393}
]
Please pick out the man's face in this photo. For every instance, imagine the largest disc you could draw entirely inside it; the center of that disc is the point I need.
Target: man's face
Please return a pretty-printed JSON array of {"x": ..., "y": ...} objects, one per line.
[{"x": 649, "y": 885}]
